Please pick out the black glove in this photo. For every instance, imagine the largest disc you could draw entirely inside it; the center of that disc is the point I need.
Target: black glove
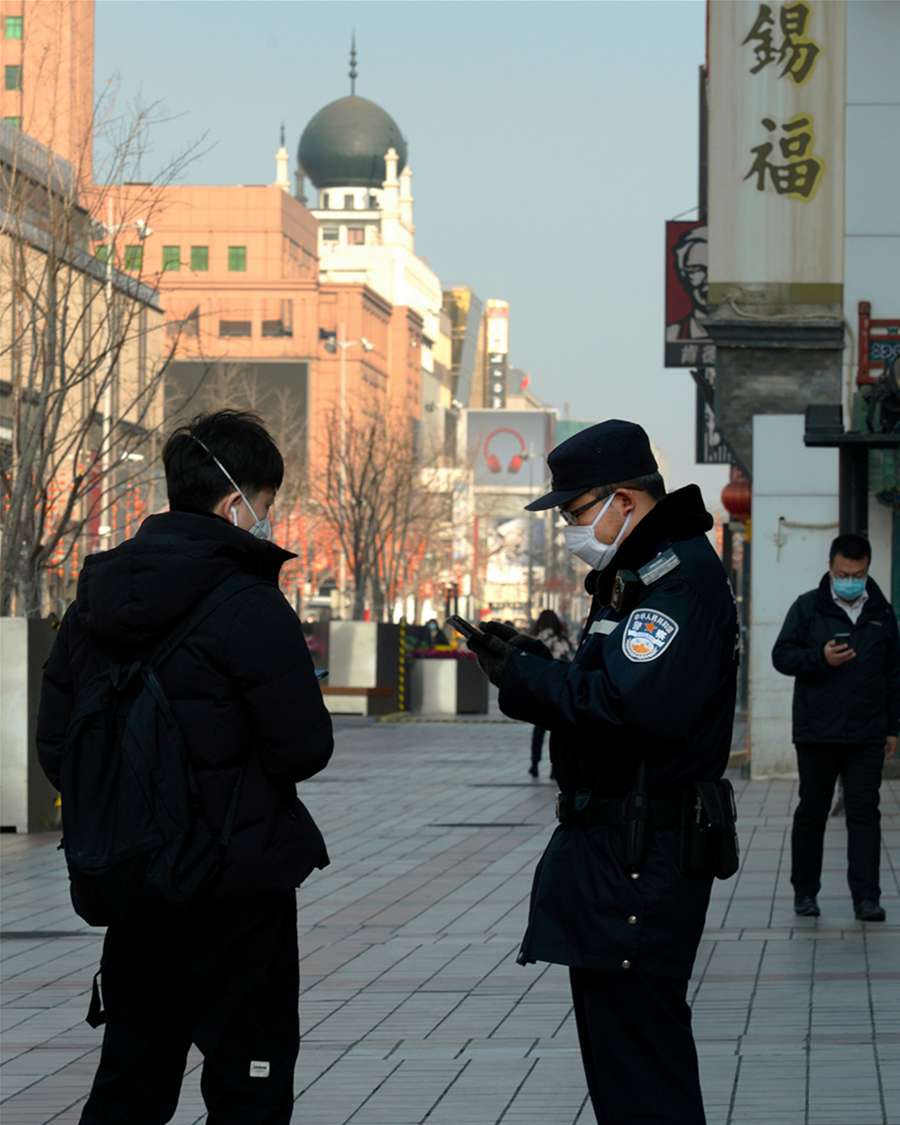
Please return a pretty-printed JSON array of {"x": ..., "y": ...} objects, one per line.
[
  {"x": 522, "y": 641},
  {"x": 492, "y": 653}
]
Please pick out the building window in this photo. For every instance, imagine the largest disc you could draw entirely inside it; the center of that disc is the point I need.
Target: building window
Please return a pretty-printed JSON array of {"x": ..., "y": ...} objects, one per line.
[
  {"x": 13, "y": 28},
  {"x": 16, "y": 122},
  {"x": 237, "y": 258},
  {"x": 349, "y": 203},
  {"x": 134, "y": 257},
  {"x": 171, "y": 258},
  {"x": 330, "y": 234},
  {"x": 12, "y": 76},
  {"x": 373, "y": 202},
  {"x": 278, "y": 318},
  {"x": 199, "y": 258},
  {"x": 235, "y": 327},
  {"x": 102, "y": 253},
  {"x": 325, "y": 203},
  {"x": 356, "y": 236}
]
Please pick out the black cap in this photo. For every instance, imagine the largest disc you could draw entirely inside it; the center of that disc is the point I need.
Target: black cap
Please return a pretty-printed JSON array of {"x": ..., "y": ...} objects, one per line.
[{"x": 607, "y": 453}]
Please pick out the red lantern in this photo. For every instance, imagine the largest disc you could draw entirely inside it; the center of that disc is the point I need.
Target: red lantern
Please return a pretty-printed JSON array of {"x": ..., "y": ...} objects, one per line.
[{"x": 737, "y": 497}]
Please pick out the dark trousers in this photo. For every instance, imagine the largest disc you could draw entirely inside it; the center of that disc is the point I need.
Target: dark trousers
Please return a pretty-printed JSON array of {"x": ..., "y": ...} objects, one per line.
[
  {"x": 637, "y": 1048},
  {"x": 860, "y": 768},
  {"x": 226, "y": 980},
  {"x": 537, "y": 744}
]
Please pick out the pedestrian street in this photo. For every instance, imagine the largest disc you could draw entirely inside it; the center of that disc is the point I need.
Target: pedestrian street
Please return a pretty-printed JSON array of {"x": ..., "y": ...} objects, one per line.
[{"x": 413, "y": 1008}]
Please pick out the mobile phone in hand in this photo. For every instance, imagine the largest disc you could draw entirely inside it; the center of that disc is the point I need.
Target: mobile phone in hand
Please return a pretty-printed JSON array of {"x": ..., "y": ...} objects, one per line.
[
  {"x": 321, "y": 673},
  {"x": 841, "y": 639},
  {"x": 465, "y": 628}
]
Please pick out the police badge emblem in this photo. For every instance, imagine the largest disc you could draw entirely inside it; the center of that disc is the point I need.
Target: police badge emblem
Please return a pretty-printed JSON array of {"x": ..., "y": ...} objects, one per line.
[{"x": 648, "y": 633}]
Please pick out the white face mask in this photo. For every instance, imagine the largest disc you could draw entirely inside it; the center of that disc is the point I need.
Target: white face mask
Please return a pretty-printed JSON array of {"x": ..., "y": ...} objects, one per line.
[
  {"x": 584, "y": 544},
  {"x": 261, "y": 529}
]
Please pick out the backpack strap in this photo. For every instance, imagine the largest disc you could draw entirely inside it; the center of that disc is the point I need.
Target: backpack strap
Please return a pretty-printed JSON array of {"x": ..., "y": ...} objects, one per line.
[{"x": 234, "y": 584}]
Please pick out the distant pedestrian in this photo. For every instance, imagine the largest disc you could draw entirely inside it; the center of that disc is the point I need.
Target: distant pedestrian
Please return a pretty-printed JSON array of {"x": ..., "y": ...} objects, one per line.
[
  {"x": 552, "y": 633},
  {"x": 185, "y": 625},
  {"x": 840, "y": 643}
]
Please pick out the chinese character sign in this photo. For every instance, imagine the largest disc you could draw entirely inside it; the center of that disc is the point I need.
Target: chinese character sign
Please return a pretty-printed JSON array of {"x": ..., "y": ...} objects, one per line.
[
  {"x": 687, "y": 296},
  {"x": 776, "y": 149},
  {"x": 784, "y": 44},
  {"x": 798, "y": 173}
]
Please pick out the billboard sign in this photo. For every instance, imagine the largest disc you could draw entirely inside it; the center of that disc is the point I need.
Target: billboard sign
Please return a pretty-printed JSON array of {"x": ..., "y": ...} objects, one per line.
[
  {"x": 712, "y": 449},
  {"x": 497, "y": 317},
  {"x": 512, "y": 543},
  {"x": 776, "y": 151},
  {"x": 687, "y": 295},
  {"x": 508, "y": 448}
]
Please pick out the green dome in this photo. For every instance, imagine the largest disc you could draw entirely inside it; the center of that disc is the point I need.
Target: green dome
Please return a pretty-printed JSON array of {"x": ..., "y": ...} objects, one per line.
[{"x": 345, "y": 143}]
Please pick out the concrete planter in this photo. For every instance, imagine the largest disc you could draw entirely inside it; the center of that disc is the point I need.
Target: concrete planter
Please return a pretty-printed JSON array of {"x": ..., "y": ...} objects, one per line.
[
  {"x": 363, "y": 668},
  {"x": 448, "y": 687},
  {"x": 27, "y": 799}
]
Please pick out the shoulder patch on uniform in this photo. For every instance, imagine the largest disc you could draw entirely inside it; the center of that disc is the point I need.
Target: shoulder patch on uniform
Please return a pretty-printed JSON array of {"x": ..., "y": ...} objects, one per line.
[
  {"x": 657, "y": 568},
  {"x": 648, "y": 633}
]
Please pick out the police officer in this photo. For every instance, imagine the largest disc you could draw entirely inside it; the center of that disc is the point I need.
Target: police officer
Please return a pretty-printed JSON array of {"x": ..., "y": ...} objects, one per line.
[{"x": 640, "y": 726}]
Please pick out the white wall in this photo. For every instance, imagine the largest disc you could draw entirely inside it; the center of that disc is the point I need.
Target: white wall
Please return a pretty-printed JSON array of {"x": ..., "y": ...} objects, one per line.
[
  {"x": 872, "y": 223},
  {"x": 14, "y": 723},
  {"x": 795, "y": 514}
]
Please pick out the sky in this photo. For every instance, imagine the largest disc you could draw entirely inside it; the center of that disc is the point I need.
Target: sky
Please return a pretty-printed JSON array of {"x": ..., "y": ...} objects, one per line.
[{"x": 549, "y": 142}]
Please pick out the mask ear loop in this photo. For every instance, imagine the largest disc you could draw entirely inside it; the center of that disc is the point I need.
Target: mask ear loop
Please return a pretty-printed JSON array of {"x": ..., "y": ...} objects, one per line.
[{"x": 234, "y": 484}]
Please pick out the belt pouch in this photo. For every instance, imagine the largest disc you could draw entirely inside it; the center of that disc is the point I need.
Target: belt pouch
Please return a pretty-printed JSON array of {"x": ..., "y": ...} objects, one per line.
[{"x": 709, "y": 842}]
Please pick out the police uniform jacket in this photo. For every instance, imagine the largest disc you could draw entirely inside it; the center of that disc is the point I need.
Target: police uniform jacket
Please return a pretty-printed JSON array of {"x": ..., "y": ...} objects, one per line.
[{"x": 653, "y": 679}]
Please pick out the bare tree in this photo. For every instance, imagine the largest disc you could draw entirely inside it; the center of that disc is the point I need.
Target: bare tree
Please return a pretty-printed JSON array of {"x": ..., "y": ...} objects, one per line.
[
  {"x": 379, "y": 502},
  {"x": 83, "y": 343}
]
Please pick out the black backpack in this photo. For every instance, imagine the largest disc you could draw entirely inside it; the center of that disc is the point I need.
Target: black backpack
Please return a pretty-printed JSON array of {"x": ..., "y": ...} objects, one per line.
[{"x": 135, "y": 843}]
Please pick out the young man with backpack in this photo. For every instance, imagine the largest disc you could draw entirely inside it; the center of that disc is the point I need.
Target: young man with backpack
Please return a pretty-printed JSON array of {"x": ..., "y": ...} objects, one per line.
[{"x": 179, "y": 710}]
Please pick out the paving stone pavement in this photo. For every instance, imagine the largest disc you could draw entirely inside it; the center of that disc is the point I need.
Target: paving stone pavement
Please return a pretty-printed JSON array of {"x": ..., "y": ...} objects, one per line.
[{"x": 413, "y": 1008}]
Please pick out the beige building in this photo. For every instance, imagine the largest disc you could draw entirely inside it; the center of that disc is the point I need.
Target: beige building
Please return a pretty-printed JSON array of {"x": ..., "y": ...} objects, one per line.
[{"x": 81, "y": 351}]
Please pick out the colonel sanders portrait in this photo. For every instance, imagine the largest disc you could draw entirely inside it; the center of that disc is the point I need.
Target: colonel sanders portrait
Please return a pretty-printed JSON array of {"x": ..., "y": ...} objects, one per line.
[{"x": 690, "y": 253}]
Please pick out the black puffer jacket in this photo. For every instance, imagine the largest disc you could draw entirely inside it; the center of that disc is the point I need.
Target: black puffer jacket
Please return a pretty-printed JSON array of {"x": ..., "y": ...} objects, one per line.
[
  {"x": 242, "y": 685},
  {"x": 857, "y": 702}
]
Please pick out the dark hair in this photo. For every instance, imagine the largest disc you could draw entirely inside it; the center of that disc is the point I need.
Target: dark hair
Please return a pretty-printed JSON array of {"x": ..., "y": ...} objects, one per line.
[
  {"x": 195, "y": 483},
  {"x": 547, "y": 619},
  {"x": 653, "y": 484},
  {"x": 851, "y": 546}
]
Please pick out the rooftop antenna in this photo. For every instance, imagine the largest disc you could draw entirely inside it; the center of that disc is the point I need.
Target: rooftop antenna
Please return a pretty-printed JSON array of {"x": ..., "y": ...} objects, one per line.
[{"x": 353, "y": 70}]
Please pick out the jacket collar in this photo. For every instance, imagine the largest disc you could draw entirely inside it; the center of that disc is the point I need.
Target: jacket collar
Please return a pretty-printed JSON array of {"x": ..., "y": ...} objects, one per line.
[
  {"x": 875, "y": 604},
  {"x": 679, "y": 515}
]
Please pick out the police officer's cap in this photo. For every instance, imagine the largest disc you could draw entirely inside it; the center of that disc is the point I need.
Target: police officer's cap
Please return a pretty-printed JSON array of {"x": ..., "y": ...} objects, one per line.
[{"x": 607, "y": 453}]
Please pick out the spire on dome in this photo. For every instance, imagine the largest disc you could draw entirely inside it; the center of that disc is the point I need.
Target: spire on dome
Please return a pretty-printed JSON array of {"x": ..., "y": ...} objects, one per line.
[
  {"x": 282, "y": 134},
  {"x": 353, "y": 69}
]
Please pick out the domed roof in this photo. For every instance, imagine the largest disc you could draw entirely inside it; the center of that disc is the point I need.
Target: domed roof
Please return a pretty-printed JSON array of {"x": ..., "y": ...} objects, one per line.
[{"x": 344, "y": 144}]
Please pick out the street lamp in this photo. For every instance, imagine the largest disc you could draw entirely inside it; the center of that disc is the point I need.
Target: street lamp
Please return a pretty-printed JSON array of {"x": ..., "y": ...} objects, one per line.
[
  {"x": 110, "y": 230},
  {"x": 343, "y": 344}
]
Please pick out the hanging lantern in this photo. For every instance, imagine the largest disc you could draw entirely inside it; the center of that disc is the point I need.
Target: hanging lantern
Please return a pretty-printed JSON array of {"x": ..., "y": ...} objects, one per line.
[{"x": 737, "y": 497}]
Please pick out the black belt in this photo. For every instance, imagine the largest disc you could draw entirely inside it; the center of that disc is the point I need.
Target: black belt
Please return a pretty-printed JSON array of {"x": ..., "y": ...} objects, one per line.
[{"x": 584, "y": 808}]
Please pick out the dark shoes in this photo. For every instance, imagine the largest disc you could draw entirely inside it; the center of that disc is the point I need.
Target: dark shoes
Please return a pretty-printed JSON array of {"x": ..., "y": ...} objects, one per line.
[
  {"x": 867, "y": 910},
  {"x": 806, "y": 906},
  {"x": 533, "y": 770}
]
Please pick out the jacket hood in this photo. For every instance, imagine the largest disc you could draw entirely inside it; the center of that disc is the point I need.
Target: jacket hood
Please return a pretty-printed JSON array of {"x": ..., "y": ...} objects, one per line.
[
  {"x": 877, "y": 601},
  {"x": 679, "y": 515},
  {"x": 131, "y": 596}
]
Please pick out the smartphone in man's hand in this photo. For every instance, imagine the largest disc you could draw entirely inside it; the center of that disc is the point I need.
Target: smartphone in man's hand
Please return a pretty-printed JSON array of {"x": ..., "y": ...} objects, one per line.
[{"x": 463, "y": 627}]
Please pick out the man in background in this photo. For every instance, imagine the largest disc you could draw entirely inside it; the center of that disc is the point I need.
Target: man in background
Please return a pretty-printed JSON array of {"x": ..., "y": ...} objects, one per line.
[{"x": 840, "y": 643}]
